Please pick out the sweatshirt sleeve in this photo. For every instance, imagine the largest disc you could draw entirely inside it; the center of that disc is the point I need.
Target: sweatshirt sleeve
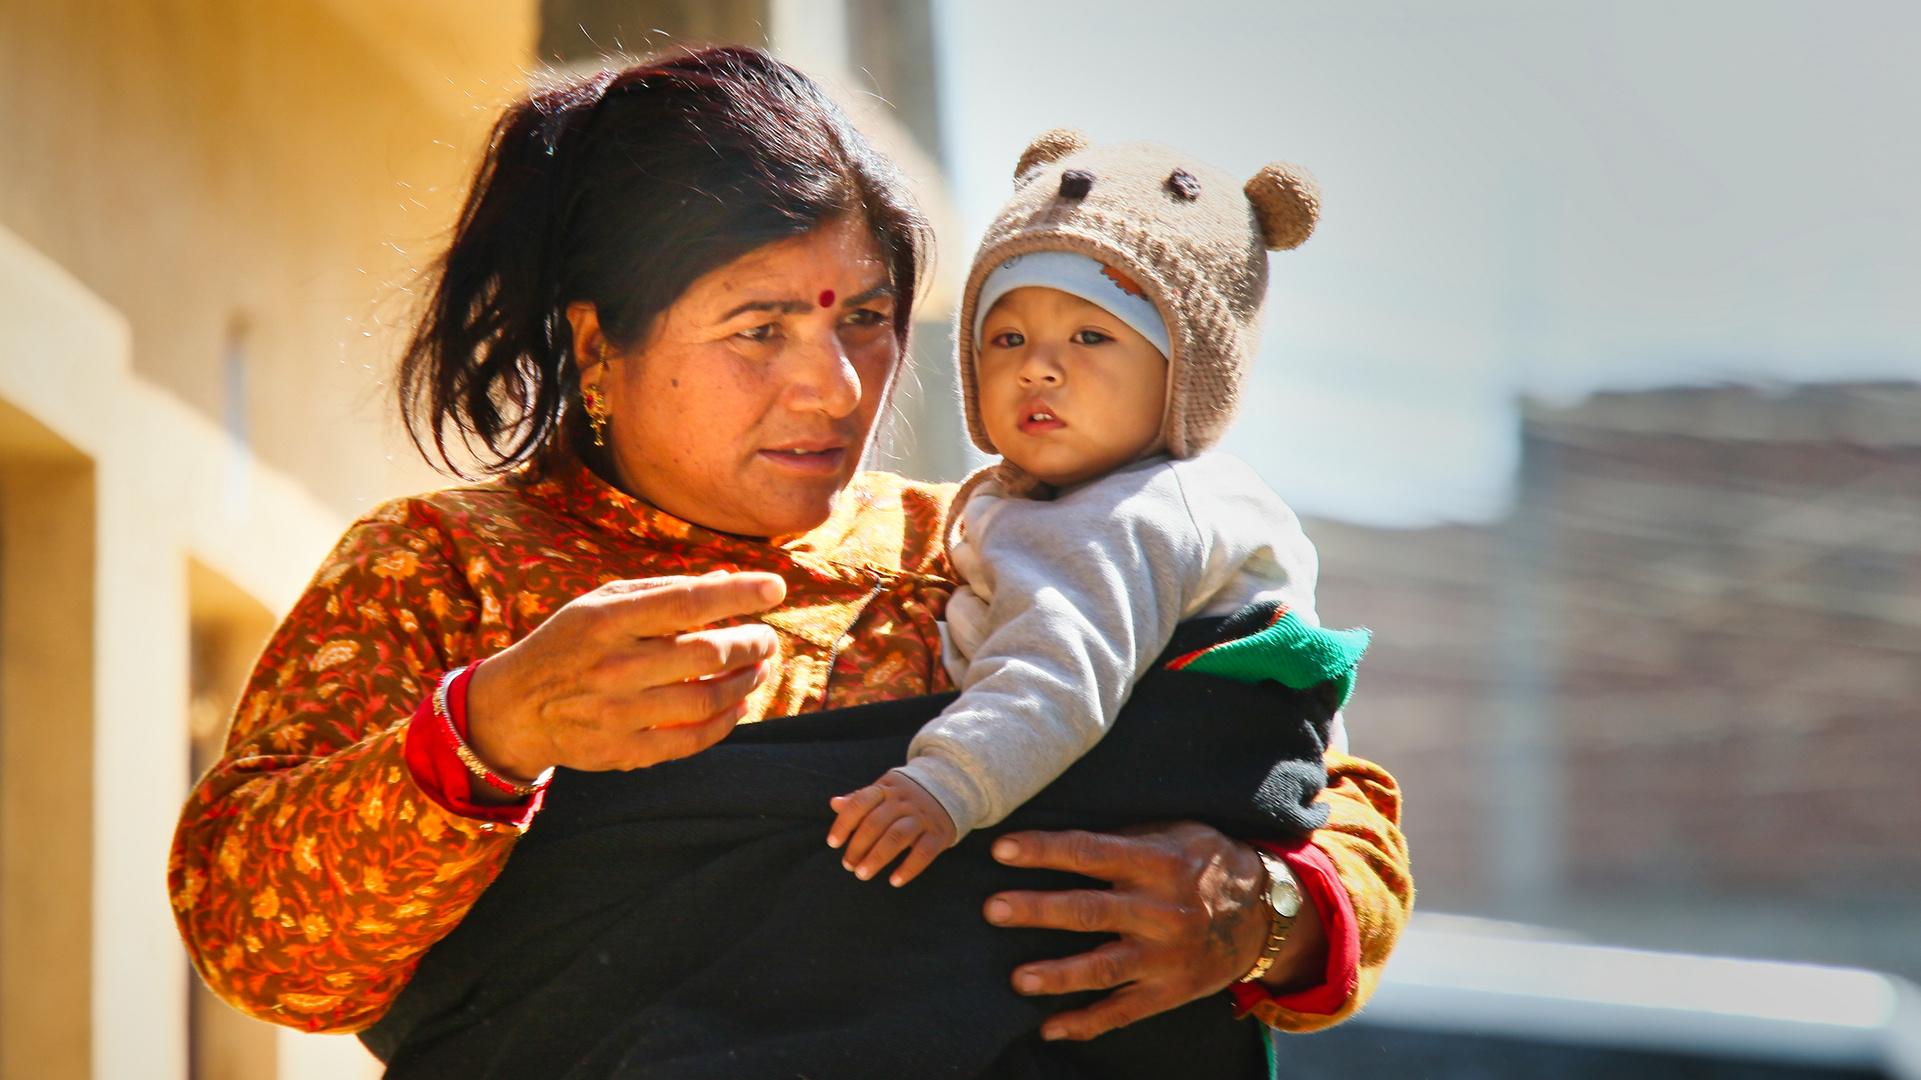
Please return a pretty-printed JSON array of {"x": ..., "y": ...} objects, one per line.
[
  {"x": 1084, "y": 594},
  {"x": 309, "y": 873}
]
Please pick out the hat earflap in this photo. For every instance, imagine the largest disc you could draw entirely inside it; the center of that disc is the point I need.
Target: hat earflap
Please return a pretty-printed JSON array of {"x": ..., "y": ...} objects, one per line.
[{"x": 1286, "y": 200}]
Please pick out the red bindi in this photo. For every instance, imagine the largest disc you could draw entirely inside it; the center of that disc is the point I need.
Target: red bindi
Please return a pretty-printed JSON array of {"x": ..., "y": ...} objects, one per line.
[{"x": 827, "y": 298}]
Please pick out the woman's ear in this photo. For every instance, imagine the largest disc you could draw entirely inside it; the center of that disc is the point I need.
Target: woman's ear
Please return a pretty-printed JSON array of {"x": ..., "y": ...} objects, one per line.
[
  {"x": 1288, "y": 203},
  {"x": 589, "y": 342},
  {"x": 1049, "y": 146}
]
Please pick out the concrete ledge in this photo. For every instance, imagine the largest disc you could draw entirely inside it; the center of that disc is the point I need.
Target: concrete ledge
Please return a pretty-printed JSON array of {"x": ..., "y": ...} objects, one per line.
[{"x": 1471, "y": 976}]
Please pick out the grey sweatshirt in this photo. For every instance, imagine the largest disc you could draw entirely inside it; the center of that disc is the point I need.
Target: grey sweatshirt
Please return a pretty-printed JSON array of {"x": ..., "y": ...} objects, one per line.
[{"x": 1067, "y": 602}]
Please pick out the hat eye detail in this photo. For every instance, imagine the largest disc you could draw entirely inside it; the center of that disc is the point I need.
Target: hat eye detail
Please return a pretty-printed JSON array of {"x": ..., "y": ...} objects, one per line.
[
  {"x": 1183, "y": 185},
  {"x": 1076, "y": 183}
]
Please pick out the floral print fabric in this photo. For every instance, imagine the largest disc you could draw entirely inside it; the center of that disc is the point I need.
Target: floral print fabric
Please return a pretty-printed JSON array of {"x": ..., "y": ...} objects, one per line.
[{"x": 309, "y": 872}]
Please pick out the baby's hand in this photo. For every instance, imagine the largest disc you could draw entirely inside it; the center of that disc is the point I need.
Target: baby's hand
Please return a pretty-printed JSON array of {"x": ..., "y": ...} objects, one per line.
[{"x": 890, "y": 815}]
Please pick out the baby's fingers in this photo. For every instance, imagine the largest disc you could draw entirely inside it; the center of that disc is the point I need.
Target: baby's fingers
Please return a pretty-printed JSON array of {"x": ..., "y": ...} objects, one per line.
[
  {"x": 852, "y": 809},
  {"x": 872, "y": 827},
  {"x": 919, "y": 857},
  {"x": 905, "y": 829}
]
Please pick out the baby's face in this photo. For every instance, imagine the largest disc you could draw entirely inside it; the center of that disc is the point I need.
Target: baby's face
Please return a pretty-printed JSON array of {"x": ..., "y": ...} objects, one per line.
[{"x": 1067, "y": 390}]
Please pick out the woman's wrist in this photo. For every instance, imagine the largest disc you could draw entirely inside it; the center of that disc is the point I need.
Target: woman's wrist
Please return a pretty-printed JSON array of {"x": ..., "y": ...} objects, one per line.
[
  {"x": 483, "y": 784},
  {"x": 489, "y": 729},
  {"x": 1280, "y": 902},
  {"x": 1302, "y": 961}
]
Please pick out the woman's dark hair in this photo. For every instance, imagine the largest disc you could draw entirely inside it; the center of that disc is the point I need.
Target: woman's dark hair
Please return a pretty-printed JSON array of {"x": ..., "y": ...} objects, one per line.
[{"x": 622, "y": 189}]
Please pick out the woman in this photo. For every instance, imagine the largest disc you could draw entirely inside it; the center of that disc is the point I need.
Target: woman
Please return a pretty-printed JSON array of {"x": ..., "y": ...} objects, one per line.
[{"x": 670, "y": 315}]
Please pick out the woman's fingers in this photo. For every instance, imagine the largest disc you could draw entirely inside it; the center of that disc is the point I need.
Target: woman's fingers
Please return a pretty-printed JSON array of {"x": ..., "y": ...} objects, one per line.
[
  {"x": 1105, "y": 856},
  {"x": 658, "y": 607},
  {"x": 1118, "y": 1009},
  {"x": 698, "y": 655},
  {"x": 655, "y": 745},
  {"x": 1094, "y": 911},
  {"x": 1111, "y": 965},
  {"x": 681, "y": 703},
  {"x": 615, "y": 680}
]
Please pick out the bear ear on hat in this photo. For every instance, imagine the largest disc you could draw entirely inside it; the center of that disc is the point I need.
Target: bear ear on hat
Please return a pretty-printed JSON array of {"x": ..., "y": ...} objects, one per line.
[
  {"x": 1049, "y": 146},
  {"x": 1288, "y": 203}
]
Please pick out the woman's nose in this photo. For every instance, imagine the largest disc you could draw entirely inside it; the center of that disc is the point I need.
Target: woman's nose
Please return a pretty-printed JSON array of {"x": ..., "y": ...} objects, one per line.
[{"x": 825, "y": 378}]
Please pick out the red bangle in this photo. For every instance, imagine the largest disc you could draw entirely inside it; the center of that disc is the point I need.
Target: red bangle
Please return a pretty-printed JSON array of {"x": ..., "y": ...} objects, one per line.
[{"x": 466, "y": 754}]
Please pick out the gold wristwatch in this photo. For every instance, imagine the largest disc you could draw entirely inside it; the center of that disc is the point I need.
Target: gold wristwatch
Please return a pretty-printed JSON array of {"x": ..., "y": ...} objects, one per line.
[{"x": 1282, "y": 898}]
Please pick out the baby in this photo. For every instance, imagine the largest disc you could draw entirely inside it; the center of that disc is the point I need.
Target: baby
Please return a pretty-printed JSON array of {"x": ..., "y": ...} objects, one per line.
[{"x": 1107, "y": 325}]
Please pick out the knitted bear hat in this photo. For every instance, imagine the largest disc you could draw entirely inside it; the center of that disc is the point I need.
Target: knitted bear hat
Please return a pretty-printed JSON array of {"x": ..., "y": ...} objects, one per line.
[{"x": 1193, "y": 237}]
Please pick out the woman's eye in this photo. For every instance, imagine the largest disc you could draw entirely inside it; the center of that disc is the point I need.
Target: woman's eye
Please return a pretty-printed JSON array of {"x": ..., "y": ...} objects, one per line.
[
  {"x": 1090, "y": 337},
  {"x": 1008, "y": 339},
  {"x": 867, "y": 317},
  {"x": 763, "y": 332}
]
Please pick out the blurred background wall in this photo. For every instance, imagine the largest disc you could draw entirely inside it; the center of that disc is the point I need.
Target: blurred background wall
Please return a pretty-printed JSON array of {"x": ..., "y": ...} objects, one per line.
[
  {"x": 1596, "y": 386},
  {"x": 1597, "y": 381},
  {"x": 1670, "y": 698}
]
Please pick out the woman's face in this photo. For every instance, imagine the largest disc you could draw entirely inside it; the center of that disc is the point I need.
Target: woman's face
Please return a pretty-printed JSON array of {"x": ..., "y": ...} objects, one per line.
[{"x": 748, "y": 406}]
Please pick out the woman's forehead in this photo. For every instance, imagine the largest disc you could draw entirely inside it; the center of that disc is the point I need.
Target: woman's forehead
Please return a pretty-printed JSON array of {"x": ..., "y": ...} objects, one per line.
[{"x": 799, "y": 273}]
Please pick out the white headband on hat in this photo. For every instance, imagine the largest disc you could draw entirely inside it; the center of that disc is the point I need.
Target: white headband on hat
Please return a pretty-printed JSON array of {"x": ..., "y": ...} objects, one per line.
[{"x": 1077, "y": 275}]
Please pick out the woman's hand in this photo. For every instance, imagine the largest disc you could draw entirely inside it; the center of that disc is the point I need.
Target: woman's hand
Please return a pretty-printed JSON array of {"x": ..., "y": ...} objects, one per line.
[
  {"x": 1186, "y": 902},
  {"x": 622, "y": 677}
]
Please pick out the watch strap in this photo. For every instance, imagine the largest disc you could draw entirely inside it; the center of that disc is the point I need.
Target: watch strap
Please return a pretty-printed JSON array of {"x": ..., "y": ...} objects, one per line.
[{"x": 1279, "y": 925}]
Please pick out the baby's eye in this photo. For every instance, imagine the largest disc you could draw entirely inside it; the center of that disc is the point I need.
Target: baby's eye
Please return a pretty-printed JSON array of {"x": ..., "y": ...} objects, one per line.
[
  {"x": 1089, "y": 337},
  {"x": 1008, "y": 339}
]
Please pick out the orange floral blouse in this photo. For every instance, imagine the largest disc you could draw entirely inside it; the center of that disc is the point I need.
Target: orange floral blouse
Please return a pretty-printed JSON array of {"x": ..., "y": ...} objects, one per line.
[{"x": 309, "y": 872}]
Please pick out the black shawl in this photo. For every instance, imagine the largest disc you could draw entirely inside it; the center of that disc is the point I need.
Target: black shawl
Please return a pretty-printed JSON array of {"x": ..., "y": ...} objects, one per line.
[{"x": 689, "y": 920}]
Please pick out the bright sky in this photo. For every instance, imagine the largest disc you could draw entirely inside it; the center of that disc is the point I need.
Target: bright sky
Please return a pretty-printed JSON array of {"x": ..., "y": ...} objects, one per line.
[{"x": 1519, "y": 196}]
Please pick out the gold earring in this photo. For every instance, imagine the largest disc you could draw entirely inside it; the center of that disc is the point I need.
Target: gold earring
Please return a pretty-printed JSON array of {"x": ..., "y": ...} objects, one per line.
[
  {"x": 595, "y": 402},
  {"x": 590, "y": 396}
]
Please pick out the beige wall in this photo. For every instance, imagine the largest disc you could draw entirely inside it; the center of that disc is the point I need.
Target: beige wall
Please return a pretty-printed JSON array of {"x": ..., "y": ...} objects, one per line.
[
  {"x": 267, "y": 172},
  {"x": 95, "y": 665},
  {"x": 46, "y": 750},
  {"x": 209, "y": 215},
  {"x": 209, "y": 212},
  {"x": 227, "y": 632}
]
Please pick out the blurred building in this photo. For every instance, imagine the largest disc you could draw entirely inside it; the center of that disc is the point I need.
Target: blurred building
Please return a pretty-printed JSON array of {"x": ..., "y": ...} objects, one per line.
[
  {"x": 212, "y": 218},
  {"x": 210, "y": 215},
  {"x": 1671, "y": 700}
]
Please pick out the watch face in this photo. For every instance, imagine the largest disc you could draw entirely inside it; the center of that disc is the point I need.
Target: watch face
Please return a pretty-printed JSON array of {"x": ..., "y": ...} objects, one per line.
[{"x": 1285, "y": 895}]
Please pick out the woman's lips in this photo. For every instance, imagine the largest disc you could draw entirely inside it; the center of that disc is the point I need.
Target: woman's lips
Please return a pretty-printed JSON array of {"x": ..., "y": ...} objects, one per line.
[
  {"x": 808, "y": 461},
  {"x": 1036, "y": 419}
]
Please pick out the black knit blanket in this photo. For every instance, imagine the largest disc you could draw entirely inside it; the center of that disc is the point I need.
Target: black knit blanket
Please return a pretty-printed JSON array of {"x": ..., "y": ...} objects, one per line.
[{"x": 689, "y": 921}]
